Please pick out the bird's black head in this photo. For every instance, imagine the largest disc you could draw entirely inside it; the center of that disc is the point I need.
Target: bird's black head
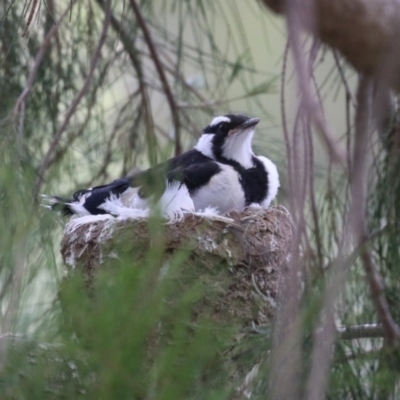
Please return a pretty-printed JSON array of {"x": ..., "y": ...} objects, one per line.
[{"x": 229, "y": 137}]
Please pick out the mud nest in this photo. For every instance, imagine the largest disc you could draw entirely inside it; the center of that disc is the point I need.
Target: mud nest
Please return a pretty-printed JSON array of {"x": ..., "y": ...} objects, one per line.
[{"x": 242, "y": 260}]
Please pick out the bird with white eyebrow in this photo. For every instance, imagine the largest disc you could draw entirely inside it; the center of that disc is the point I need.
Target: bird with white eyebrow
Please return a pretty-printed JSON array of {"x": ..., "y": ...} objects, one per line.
[{"x": 221, "y": 174}]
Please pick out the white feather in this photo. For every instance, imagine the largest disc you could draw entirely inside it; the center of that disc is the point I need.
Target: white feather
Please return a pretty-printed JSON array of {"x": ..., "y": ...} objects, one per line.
[
  {"x": 175, "y": 216},
  {"x": 130, "y": 198},
  {"x": 208, "y": 212},
  {"x": 273, "y": 180},
  {"x": 174, "y": 202},
  {"x": 75, "y": 223},
  {"x": 51, "y": 200},
  {"x": 255, "y": 205},
  {"x": 237, "y": 147},
  {"x": 176, "y": 197},
  {"x": 212, "y": 214},
  {"x": 223, "y": 192},
  {"x": 204, "y": 145},
  {"x": 219, "y": 119},
  {"x": 115, "y": 206},
  {"x": 78, "y": 208}
]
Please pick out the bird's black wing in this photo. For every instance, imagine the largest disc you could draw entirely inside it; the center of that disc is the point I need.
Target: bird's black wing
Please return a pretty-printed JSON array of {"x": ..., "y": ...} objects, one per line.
[
  {"x": 191, "y": 168},
  {"x": 196, "y": 176},
  {"x": 99, "y": 194}
]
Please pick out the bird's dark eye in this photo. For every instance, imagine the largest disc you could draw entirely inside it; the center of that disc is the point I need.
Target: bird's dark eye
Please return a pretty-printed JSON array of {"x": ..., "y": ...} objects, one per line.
[{"x": 221, "y": 127}]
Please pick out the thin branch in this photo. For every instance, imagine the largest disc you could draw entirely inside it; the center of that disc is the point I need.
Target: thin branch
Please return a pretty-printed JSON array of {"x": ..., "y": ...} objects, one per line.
[
  {"x": 177, "y": 75},
  {"x": 38, "y": 59},
  {"x": 57, "y": 137},
  {"x": 170, "y": 98},
  {"x": 283, "y": 113},
  {"x": 349, "y": 101},
  {"x": 127, "y": 42},
  {"x": 390, "y": 328},
  {"x": 30, "y": 17},
  {"x": 327, "y": 136},
  {"x": 285, "y": 355},
  {"x": 367, "y": 331},
  {"x": 325, "y": 331},
  {"x": 358, "y": 212},
  {"x": 61, "y": 151},
  {"x": 210, "y": 103}
]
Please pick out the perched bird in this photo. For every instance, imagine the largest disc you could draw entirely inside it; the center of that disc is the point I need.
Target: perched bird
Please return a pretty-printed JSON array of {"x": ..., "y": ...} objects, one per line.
[{"x": 221, "y": 174}]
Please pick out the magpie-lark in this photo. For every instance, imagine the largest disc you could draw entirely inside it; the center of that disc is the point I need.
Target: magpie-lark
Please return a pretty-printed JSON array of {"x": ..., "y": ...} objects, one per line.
[{"x": 220, "y": 174}]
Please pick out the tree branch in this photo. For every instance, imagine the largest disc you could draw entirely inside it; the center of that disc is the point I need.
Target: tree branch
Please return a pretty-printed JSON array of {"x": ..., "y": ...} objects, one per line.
[
  {"x": 390, "y": 329},
  {"x": 30, "y": 17},
  {"x": 311, "y": 105},
  {"x": 168, "y": 93},
  {"x": 57, "y": 137},
  {"x": 127, "y": 41},
  {"x": 367, "y": 331},
  {"x": 19, "y": 105},
  {"x": 358, "y": 193}
]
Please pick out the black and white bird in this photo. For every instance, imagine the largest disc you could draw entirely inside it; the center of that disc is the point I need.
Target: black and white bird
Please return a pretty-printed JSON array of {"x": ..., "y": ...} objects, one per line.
[{"x": 220, "y": 174}]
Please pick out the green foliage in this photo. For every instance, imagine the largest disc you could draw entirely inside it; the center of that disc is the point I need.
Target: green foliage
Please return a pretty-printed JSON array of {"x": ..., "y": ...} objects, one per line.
[
  {"x": 138, "y": 335},
  {"x": 129, "y": 333}
]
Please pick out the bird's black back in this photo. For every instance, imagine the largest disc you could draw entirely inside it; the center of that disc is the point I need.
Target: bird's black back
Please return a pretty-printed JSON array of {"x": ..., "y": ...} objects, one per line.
[{"x": 192, "y": 168}]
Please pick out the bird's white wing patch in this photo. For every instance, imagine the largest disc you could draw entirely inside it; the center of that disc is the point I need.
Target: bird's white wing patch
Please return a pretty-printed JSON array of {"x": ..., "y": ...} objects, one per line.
[
  {"x": 217, "y": 120},
  {"x": 273, "y": 180}
]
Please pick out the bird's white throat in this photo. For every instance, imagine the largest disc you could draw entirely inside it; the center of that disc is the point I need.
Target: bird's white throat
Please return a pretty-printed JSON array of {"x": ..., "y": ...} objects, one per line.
[{"x": 238, "y": 148}]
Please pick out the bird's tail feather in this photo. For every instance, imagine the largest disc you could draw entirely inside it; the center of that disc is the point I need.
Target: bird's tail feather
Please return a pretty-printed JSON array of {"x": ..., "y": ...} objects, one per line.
[{"x": 58, "y": 204}]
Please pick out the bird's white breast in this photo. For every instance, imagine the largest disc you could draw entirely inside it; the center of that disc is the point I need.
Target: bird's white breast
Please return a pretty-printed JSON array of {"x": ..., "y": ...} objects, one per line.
[{"x": 223, "y": 192}]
